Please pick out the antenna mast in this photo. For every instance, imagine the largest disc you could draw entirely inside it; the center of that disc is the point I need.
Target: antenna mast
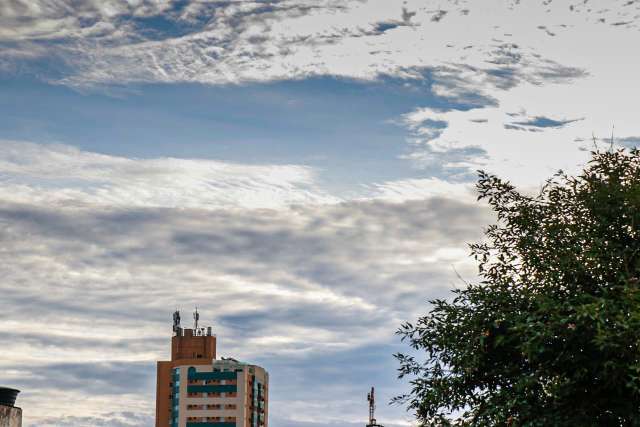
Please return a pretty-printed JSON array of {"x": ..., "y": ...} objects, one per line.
[
  {"x": 371, "y": 398},
  {"x": 196, "y": 317},
  {"x": 176, "y": 321}
]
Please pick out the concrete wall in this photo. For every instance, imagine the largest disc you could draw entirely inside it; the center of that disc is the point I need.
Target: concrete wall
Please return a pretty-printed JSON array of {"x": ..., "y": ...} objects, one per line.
[{"x": 10, "y": 416}]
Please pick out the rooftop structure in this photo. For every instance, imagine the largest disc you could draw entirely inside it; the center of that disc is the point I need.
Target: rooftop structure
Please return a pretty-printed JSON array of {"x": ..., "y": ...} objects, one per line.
[{"x": 10, "y": 415}]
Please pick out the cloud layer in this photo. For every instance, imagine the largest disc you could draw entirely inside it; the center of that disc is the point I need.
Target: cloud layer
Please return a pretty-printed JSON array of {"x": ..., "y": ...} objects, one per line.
[
  {"x": 97, "y": 250},
  {"x": 283, "y": 287}
]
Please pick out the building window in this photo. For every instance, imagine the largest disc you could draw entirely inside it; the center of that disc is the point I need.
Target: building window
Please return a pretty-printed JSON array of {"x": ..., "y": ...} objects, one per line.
[{"x": 195, "y": 407}]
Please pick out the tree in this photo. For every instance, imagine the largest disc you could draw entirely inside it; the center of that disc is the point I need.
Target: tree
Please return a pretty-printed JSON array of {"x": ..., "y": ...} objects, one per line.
[{"x": 550, "y": 334}]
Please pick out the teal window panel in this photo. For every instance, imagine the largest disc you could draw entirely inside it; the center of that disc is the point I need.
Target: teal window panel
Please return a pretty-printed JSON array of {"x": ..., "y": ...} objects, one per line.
[
  {"x": 227, "y": 388},
  {"x": 210, "y": 424},
  {"x": 193, "y": 375}
]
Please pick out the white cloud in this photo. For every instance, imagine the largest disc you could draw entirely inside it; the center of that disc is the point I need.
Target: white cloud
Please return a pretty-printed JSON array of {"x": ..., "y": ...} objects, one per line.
[
  {"x": 63, "y": 175},
  {"x": 248, "y": 41},
  {"x": 45, "y": 19},
  {"x": 293, "y": 40},
  {"x": 531, "y": 129},
  {"x": 420, "y": 189},
  {"x": 518, "y": 149}
]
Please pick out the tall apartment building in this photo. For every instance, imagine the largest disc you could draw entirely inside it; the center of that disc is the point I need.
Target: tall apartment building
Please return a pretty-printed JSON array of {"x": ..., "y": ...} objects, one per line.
[{"x": 194, "y": 389}]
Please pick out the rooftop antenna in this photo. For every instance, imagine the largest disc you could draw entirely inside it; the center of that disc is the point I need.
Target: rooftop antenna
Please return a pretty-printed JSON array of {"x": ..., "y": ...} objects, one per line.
[
  {"x": 613, "y": 128},
  {"x": 176, "y": 320},
  {"x": 371, "y": 398},
  {"x": 196, "y": 317}
]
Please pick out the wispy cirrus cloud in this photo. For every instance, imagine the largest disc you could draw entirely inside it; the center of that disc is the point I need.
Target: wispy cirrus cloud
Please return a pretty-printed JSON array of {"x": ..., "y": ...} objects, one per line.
[
  {"x": 67, "y": 20},
  {"x": 230, "y": 42},
  {"x": 63, "y": 175}
]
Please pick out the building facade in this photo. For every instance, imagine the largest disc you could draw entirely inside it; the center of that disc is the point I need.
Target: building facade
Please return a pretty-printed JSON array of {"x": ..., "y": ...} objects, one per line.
[{"x": 194, "y": 389}]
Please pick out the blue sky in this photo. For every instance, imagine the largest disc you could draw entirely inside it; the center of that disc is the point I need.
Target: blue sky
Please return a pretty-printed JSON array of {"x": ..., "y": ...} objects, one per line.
[
  {"x": 326, "y": 122},
  {"x": 300, "y": 170}
]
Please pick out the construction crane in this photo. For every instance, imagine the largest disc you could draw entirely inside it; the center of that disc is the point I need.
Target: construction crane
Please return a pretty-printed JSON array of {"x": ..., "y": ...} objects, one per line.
[{"x": 371, "y": 398}]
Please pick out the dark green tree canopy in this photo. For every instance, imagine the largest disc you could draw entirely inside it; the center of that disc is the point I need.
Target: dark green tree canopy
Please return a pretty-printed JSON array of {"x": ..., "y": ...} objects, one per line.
[{"x": 550, "y": 336}]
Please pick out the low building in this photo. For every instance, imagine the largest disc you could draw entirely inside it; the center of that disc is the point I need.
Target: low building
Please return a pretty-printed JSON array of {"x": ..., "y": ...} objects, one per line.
[
  {"x": 194, "y": 389},
  {"x": 10, "y": 415}
]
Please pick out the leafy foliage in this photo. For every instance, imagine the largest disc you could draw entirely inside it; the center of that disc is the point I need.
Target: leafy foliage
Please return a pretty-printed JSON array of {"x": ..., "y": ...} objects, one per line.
[{"x": 550, "y": 336}]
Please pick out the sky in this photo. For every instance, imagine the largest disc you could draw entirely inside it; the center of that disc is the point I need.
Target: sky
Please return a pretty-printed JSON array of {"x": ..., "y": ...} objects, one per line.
[{"x": 302, "y": 171}]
